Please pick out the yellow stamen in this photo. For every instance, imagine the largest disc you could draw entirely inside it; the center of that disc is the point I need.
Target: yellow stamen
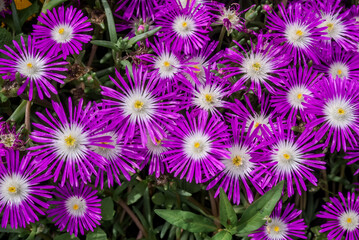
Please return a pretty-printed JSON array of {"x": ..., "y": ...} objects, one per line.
[
  {"x": 61, "y": 31},
  {"x": 70, "y": 141},
  {"x": 256, "y": 125},
  {"x": 208, "y": 97},
  {"x": 286, "y": 156},
  {"x": 158, "y": 141},
  {"x": 256, "y": 66},
  {"x": 75, "y": 207},
  {"x": 138, "y": 104},
  {"x": 184, "y": 24},
  {"x": 339, "y": 72},
  {"x": 237, "y": 161},
  {"x": 330, "y": 26},
  {"x": 166, "y": 64},
  {"x": 197, "y": 145},
  {"x": 299, "y": 33},
  {"x": 341, "y": 111},
  {"x": 276, "y": 229},
  {"x": 349, "y": 220},
  {"x": 299, "y": 96},
  {"x": 29, "y": 65},
  {"x": 196, "y": 71},
  {"x": 105, "y": 144},
  {"x": 12, "y": 189}
]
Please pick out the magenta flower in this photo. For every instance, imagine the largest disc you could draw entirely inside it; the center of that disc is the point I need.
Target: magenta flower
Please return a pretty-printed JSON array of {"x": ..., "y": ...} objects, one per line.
[
  {"x": 342, "y": 217},
  {"x": 77, "y": 208},
  {"x": 35, "y": 67},
  {"x": 9, "y": 137},
  {"x": 197, "y": 145},
  {"x": 138, "y": 8},
  {"x": 5, "y": 8},
  {"x": 21, "y": 189},
  {"x": 62, "y": 30},
  {"x": 352, "y": 155},
  {"x": 282, "y": 225}
]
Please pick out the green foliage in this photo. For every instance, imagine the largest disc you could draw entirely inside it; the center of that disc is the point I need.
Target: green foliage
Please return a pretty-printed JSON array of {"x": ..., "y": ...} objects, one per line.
[{"x": 227, "y": 215}]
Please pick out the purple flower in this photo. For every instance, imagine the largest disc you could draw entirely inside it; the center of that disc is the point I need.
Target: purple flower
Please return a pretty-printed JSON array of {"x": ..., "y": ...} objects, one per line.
[
  {"x": 20, "y": 189},
  {"x": 185, "y": 28},
  {"x": 62, "y": 31},
  {"x": 297, "y": 85},
  {"x": 197, "y": 145},
  {"x": 261, "y": 65},
  {"x": 231, "y": 17},
  {"x": 298, "y": 30},
  {"x": 138, "y": 8},
  {"x": 342, "y": 217},
  {"x": 282, "y": 226},
  {"x": 140, "y": 103},
  {"x": 36, "y": 67},
  {"x": 5, "y": 8},
  {"x": 77, "y": 208},
  {"x": 290, "y": 158},
  {"x": 9, "y": 138},
  {"x": 239, "y": 166},
  {"x": 352, "y": 154},
  {"x": 65, "y": 142},
  {"x": 336, "y": 106}
]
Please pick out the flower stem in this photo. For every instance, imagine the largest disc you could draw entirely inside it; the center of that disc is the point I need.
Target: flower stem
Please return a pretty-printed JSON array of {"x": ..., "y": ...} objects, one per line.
[
  {"x": 27, "y": 116},
  {"x": 221, "y": 36}
]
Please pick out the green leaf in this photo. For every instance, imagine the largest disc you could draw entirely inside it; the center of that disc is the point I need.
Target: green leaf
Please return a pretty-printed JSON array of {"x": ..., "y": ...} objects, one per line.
[
  {"x": 19, "y": 113},
  {"x": 136, "y": 193},
  {"x": 106, "y": 44},
  {"x": 227, "y": 216},
  {"x": 66, "y": 236},
  {"x": 5, "y": 38},
  {"x": 158, "y": 198},
  {"x": 186, "y": 220},
  {"x": 97, "y": 234},
  {"x": 28, "y": 12},
  {"x": 50, "y": 4},
  {"x": 107, "y": 210},
  {"x": 222, "y": 235},
  {"x": 9, "y": 229},
  {"x": 142, "y": 36},
  {"x": 15, "y": 18},
  {"x": 110, "y": 21},
  {"x": 253, "y": 216}
]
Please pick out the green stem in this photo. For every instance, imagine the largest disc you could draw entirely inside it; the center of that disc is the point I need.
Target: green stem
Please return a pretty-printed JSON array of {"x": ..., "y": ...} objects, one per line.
[{"x": 221, "y": 36}]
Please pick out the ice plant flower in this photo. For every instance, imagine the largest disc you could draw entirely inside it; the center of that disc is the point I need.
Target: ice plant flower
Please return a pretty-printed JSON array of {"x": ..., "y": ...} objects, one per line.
[
  {"x": 21, "y": 187},
  {"x": 282, "y": 225},
  {"x": 76, "y": 209},
  {"x": 261, "y": 65},
  {"x": 239, "y": 165},
  {"x": 4, "y": 7},
  {"x": 197, "y": 144},
  {"x": 140, "y": 103},
  {"x": 336, "y": 107},
  {"x": 65, "y": 143},
  {"x": 231, "y": 17},
  {"x": 298, "y": 30},
  {"x": 352, "y": 155},
  {"x": 290, "y": 158},
  {"x": 9, "y": 138},
  {"x": 342, "y": 217},
  {"x": 35, "y": 67},
  {"x": 62, "y": 30},
  {"x": 185, "y": 28},
  {"x": 138, "y": 8},
  {"x": 288, "y": 99}
]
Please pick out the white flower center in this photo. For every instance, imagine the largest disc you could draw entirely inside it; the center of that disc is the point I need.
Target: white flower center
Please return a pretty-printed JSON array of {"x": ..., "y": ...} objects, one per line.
[
  {"x": 334, "y": 27},
  {"x": 338, "y": 69},
  {"x": 156, "y": 149},
  {"x": 62, "y": 33},
  {"x": 296, "y": 96},
  {"x": 139, "y": 105},
  {"x": 184, "y": 26},
  {"x": 208, "y": 97},
  {"x": 8, "y": 140},
  {"x": 349, "y": 220},
  {"x": 167, "y": 65},
  {"x": 276, "y": 229},
  {"x": 2, "y": 5},
  {"x": 287, "y": 157},
  {"x": 108, "y": 153},
  {"x": 257, "y": 120},
  {"x": 229, "y": 14},
  {"x": 257, "y": 67},
  {"x": 339, "y": 113},
  {"x": 298, "y": 35},
  {"x": 239, "y": 164},
  {"x": 70, "y": 142},
  {"x": 13, "y": 189},
  {"x": 76, "y": 206},
  {"x": 197, "y": 146},
  {"x": 30, "y": 66}
]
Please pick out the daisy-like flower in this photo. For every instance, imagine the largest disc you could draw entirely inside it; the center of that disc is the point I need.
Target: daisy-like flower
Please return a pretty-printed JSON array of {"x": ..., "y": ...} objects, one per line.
[
  {"x": 77, "y": 208},
  {"x": 197, "y": 144},
  {"x": 282, "y": 225},
  {"x": 339, "y": 63},
  {"x": 352, "y": 154},
  {"x": 298, "y": 84},
  {"x": 138, "y": 8},
  {"x": 342, "y": 217},
  {"x": 119, "y": 159},
  {"x": 35, "y": 67},
  {"x": 20, "y": 190},
  {"x": 9, "y": 138},
  {"x": 62, "y": 30},
  {"x": 230, "y": 17},
  {"x": 298, "y": 30},
  {"x": 185, "y": 28},
  {"x": 336, "y": 107},
  {"x": 290, "y": 158},
  {"x": 338, "y": 28},
  {"x": 239, "y": 166},
  {"x": 140, "y": 103},
  {"x": 4, "y": 7},
  {"x": 261, "y": 65},
  {"x": 65, "y": 143}
]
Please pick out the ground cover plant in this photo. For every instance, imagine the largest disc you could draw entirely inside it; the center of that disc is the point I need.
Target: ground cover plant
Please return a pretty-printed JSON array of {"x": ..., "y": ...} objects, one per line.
[{"x": 179, "y": 119}]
